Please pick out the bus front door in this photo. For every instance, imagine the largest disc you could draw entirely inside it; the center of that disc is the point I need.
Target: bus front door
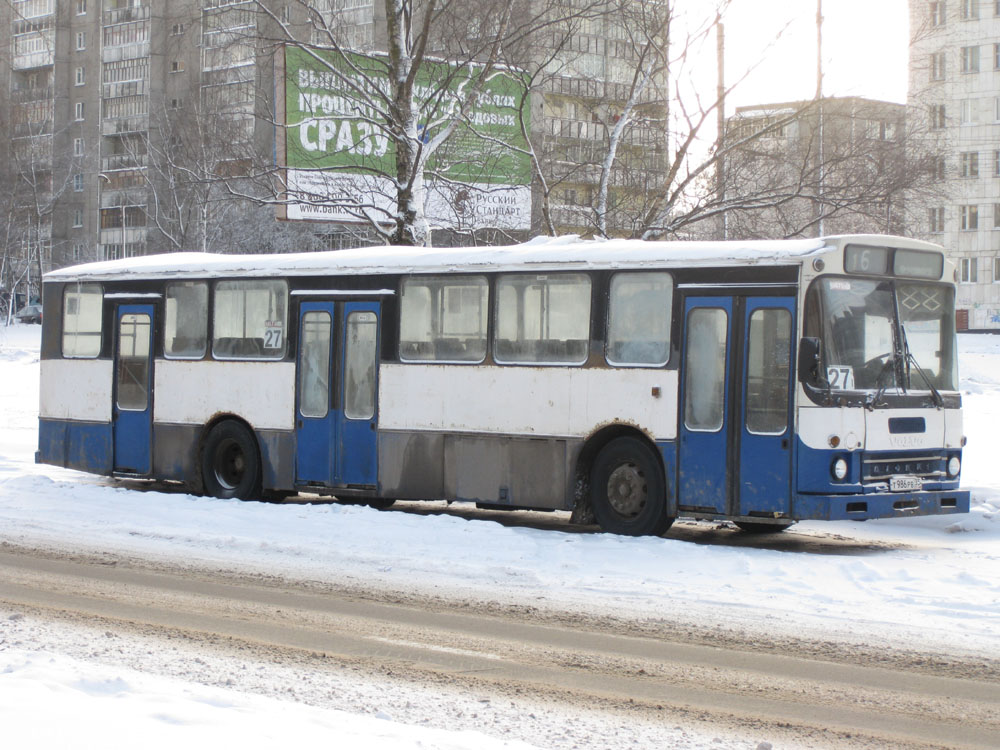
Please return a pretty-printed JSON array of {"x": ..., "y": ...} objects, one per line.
[
  {"x": 734, "y": 453},
  {"x": 336, "y": 441},
  {"x": 133, "y": 398}
]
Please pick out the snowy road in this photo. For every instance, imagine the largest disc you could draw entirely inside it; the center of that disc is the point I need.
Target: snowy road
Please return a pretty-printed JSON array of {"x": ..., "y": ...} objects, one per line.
[
  {"x": 915, "y": 597},
  {"x": 502, "y": 653}
]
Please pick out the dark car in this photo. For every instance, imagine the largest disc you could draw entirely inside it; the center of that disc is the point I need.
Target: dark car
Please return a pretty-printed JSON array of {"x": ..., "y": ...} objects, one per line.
[{"x": 29, "y": 314}]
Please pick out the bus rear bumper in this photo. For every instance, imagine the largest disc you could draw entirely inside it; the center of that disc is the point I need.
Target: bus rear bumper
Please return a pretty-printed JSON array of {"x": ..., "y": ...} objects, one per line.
[{"x": 880, "y": 505}]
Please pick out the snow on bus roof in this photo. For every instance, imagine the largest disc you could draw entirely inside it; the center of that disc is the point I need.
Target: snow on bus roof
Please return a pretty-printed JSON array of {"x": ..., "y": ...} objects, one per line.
[{"x": 540, "y": 254}]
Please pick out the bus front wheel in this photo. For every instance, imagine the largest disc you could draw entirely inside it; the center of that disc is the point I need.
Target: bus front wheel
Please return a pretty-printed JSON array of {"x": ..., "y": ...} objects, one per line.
[
  {"x": 627, "y": 489},
  {"x": 230, "y": 462}
]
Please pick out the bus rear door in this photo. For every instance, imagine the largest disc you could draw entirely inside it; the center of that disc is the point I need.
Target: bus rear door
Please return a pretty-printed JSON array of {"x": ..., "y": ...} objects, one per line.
[
  {"x": 336, "y": 403},
  {"x": 734, "y": 455},
  {"x": 133, "y": 398}
]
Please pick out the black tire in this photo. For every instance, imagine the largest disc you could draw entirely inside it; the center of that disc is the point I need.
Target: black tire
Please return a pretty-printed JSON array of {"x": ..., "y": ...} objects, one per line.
[
  {"x": 380, "y": 503},
  {"x": 230, "y": 462},
  {"x": 753, "y": 527},
  {"x": 627, "y": 489}
]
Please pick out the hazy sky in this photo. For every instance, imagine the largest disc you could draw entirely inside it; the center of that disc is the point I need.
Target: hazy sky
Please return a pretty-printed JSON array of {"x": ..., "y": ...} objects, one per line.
[{"x": 864, "y": 49}]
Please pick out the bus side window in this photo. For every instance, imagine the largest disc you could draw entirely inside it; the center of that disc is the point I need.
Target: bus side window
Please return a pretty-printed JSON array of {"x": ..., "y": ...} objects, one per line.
[
  {"x": 250, "y": 319},
  {"x": 639, "y": 319},
  {"x": 443, "y": 319},
  {"x": 543, "y": 318},
  {"x": 82, "y": 318},
  {"x": 186, "y": 327}
]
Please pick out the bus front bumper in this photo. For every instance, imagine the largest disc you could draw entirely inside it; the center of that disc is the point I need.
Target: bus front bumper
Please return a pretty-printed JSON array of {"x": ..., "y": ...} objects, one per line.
[{"x": 879, "y": 505}]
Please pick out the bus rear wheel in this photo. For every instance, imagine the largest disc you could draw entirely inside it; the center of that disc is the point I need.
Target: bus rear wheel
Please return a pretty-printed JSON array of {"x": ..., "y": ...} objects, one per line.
[
  {"x": 230, "y": 462},
  {"x": 627, "y": 489},
  {"x": 753, "y": 527}
]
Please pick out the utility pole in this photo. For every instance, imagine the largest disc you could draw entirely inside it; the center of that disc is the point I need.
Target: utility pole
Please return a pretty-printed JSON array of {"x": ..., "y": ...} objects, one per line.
[
  {"x": 819, "y": 99},
  {"x": 720, "y": 159}
]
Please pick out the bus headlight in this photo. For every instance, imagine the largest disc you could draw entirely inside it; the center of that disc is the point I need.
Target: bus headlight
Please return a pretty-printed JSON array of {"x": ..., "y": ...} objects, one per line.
[
  {"x": 839, "y": 469},
  {"x": 954, "y": 466}
]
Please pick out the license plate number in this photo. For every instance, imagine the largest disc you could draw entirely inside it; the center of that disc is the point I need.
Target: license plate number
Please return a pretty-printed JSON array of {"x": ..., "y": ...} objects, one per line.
[{"x": 902, "y": 484}]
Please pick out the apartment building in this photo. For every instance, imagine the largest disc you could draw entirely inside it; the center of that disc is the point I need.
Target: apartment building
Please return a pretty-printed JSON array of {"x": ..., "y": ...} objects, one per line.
[
  {"x": 802, "y": 168},
  {"x": 102, "y": 93},
  {"x": 955, "y": 87}
]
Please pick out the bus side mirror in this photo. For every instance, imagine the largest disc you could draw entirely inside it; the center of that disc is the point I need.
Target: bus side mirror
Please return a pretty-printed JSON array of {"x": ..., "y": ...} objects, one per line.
[{"x": 809, "y": 360}]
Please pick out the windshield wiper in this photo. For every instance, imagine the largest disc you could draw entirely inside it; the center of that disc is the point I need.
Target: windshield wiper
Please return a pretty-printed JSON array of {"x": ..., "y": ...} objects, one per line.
[
  {"x": 935, "y": 394},
  {"x": 872, "y": 400}
]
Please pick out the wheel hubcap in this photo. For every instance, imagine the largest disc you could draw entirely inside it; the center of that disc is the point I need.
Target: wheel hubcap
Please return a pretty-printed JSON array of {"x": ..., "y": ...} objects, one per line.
[
  {"x": 230, "y": 464},
  {"x": 627, "y": 490}
]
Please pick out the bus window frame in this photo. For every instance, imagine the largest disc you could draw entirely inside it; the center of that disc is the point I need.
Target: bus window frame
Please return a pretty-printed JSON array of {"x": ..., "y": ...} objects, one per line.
[
  {"x": 670, "y": 320},
  {"x": 593, "y": 284},
  {"x": 213, "y": 306},
  {"x": 67, "y": 289},
  {"x": 209, "y": 309}
]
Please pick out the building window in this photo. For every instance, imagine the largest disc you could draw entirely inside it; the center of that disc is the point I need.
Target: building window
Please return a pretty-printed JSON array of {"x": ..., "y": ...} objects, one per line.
[
  {"x": 996, "y": 215},
  {"x": 78, "y": 183},
  {"x": 937, "y": 13},
  {"x": 937, "y": 66},
  {"x": 937, "y": 116},
  {"x": 78, "y": 147},
  {"x": 969, "y": 217},
  {"x": 177, "y": 66},
  {"x": 970, "y": 10},
  {"x": 79, "y": 251},
  {"x": 970, "y": 59},
  {"x": 996, "y": 270},
  {"x": 81, "y": 40},
  {"x": 996, "y": 163},
  {"x": 969, "y": 271},
  {"x": 78, "y": 111},
  {"x": 177, "y": 29},
  {"x": 968, "y": 112},
  {"x": 938, "y": 169},
  {"x": 81, "y": 76},
  {"x": 77, "y": 218},
  {"x": 176, "y": 104},
  {"x": 935, "y": 218},
  {"x": 970, "y": 164},
  {"x": 81, "y": 7}
]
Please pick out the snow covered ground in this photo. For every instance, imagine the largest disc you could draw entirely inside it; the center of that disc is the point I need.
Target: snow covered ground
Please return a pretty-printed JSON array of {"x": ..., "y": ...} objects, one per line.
[{"x": 930, "y": 582}]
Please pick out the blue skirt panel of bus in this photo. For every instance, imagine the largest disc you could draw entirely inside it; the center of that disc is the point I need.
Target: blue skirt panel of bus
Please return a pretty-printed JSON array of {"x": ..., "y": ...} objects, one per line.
[
  {"x": 668, "y": 452},
  {"x": 86, "y": 446},
  {"x": 881, "y": 505}
]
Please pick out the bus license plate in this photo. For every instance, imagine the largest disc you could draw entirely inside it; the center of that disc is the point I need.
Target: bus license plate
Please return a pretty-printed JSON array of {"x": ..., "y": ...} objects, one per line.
[{"x": 903, "y": 484}]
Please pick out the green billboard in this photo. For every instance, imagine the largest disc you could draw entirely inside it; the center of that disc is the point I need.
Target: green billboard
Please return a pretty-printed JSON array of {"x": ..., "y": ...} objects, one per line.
[{"x": 338, "y": 143}]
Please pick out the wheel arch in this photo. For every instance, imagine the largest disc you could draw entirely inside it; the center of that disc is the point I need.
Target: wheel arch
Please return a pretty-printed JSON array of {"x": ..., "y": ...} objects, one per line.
[
  {"x": 592, "y": 446},
  {"x": 206, "y": 430}
]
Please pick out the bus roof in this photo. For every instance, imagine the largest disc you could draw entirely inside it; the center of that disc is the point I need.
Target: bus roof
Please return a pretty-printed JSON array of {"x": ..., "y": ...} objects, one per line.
[{"x": 541, "y": 254}]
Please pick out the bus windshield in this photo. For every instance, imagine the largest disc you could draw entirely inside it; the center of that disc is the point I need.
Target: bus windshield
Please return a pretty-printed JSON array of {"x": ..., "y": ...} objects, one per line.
[{"x": 855, "y": 319}]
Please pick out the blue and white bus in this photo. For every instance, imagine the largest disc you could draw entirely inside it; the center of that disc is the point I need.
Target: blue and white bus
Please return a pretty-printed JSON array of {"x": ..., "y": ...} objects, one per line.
[{"x": 628, "y": 382}]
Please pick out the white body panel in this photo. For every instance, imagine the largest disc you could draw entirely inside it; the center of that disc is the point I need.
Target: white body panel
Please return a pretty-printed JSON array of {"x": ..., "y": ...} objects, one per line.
[
  {"x": 557, "y": 401},
  {"x": 860, "y": 428},
  {"x": 818, "y": 423},
  {"x": 189, "y": 392},
  {"x": 77, "y": 389}
]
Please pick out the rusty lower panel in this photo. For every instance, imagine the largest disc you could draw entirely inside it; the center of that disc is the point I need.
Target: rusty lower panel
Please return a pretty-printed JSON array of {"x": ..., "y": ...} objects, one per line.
[
  {"x": 501, "y": 470},
  {"x": 86, "y": 446},
  {"x": 175, "y": 453},
  {"x": 277, "y": 459}
]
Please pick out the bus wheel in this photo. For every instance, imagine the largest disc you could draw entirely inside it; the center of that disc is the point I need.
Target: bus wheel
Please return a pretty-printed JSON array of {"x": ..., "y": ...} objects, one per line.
[
  {"x": 752, "y": 527},
  {"x": 380, "y": 503},
  {"x": 230, "y": 463},
  {"x": 627, "y": 489}
]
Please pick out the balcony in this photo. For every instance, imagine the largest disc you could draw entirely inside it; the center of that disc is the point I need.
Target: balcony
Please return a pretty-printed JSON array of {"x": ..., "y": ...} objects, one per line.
[
  {"x": 124, "y": 161},
  {"x": 129, "y": 51},
  {"x": 124, "y": 15},
  {"x": 119, "y": 125}
]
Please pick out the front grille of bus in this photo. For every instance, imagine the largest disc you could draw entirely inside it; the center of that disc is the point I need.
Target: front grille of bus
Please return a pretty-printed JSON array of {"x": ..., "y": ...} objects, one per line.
[{"x": 880, "y": 466}]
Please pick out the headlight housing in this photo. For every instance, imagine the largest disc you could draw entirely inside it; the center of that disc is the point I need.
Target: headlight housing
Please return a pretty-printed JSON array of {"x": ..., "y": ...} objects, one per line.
[
  {"x": 839, "y": 469},
  {"x": 954, "y": 466}
]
